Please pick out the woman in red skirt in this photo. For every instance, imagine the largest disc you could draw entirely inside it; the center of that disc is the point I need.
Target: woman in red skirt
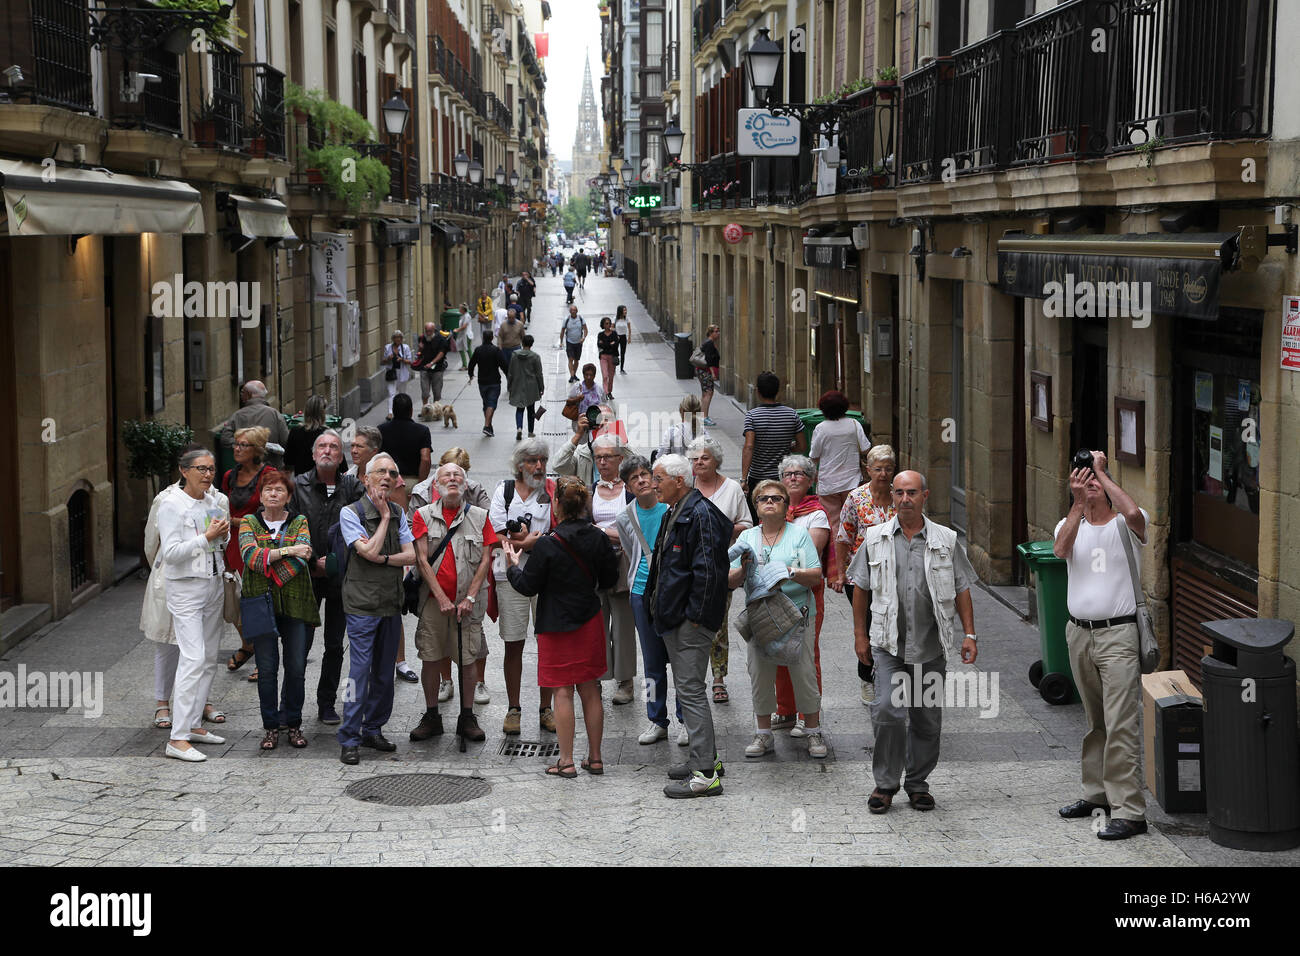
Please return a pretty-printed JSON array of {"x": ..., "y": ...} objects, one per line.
[{"x": 565, "y": 567}]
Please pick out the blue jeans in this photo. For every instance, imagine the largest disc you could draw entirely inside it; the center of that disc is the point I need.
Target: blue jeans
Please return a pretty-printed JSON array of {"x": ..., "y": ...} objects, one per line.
[
  {"x": 296, "y": 636},
  {"x": 368, "y": 691},
  {"x": 655, "y": 657}
]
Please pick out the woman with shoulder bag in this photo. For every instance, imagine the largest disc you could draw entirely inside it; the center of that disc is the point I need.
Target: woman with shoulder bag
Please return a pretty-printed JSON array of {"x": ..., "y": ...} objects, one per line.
[
  {"x": 565, "y": 568},
  {"x": 398, "y": 358},
  {"x": 192, "y": 532},
  {"x": 278, "y": 604},
  {"x": 776, "y": 541},
  {"x": 243, "y": 487},
  {"x": 609, "y": 497}
]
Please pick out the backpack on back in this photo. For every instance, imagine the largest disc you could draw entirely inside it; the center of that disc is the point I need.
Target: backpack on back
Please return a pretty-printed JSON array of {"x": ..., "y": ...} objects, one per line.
[{"x": 338, "y": 548}]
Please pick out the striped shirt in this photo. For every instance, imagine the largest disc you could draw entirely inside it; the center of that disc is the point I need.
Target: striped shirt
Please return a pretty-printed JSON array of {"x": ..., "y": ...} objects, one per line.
[{"x": 774, "y": 428}]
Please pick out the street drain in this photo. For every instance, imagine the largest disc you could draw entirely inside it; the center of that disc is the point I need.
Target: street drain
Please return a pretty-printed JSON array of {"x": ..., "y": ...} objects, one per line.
[
  {"x": 528, "y": 748},
  {"x": 417, "y": 789}
]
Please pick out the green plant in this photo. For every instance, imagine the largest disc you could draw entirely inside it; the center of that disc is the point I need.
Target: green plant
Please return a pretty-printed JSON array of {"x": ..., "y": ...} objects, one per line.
[
  {"x": 1147, "y": 150},
  {"x": 361, "y": 182},
  {"x": 887, "y": 74},
  {"x": 153, "y": 448},
  {"x": 222, "y": 28},
  {"x": 337, "y": 123}
]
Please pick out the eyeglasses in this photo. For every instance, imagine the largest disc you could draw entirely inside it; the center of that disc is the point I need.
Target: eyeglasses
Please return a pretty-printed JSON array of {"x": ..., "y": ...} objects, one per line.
[
  {"x": 243, "y": 444},
  {"x": 534, "y": 461},
  {"x": 770, "y": 499},
  {"x": 661, "y": 478},
  {"x": 796, "y": 474},
  {"x": 203, "y": 469},
  {"x": 880, "y": 470},
  {"x": 390, "y": 472},
  {"x": 607, "y": 457}
]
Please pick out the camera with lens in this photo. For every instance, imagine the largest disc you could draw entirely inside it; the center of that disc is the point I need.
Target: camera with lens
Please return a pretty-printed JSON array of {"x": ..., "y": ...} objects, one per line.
[
  {"x": 520, "y": 524},
  {"x": 1082, "y": 459},
  {"x": 593, "y": 415}
]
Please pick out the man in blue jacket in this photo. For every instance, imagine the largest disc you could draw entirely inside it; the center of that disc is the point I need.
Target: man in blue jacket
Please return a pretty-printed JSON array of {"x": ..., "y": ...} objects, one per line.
[{"x": 686, "y": 598}]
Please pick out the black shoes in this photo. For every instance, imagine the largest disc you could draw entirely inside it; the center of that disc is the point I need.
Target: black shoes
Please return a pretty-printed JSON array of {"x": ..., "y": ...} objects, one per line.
[
  {"x": 350, "y": 756},
  {"x": 1081, "y": 808},
  {"x": 378, "y": 742},
  {"x": 407, "y": 673},
  {"x": 430, "y": 725},
  {"x": 467, "y": 727},
  {"x": 328, "y": 715},
  {"x": 1122, "y": 829}
]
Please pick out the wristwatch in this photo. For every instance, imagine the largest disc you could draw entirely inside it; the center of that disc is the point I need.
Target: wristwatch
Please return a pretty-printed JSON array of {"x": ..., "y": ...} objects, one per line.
[
  {"x": 385, "y": 559},
  {"x": 973, "y": 638},
  {"x": 470, "y": 598}
]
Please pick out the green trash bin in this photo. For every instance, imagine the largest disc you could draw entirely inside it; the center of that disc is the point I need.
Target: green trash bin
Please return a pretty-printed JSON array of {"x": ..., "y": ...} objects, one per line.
[
  {"x": 451, "y": 320},
  {"x": 1051, "y": 673},
  {"x": 812, "y": 417}
]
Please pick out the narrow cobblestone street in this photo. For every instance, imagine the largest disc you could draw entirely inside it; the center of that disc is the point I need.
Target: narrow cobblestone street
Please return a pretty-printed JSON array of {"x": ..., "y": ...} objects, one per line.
[{"x": 77, "y": 790}]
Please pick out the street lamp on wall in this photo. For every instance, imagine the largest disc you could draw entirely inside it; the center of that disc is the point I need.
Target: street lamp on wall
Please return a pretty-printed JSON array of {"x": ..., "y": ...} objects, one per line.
[
  {"x": 500, "y": 175},
  {"x": 396, "y": 114},
  {"x": 461, "y": 162},
  {"x": 475, "y": 172},
  {"x": 764, "y": 61}
]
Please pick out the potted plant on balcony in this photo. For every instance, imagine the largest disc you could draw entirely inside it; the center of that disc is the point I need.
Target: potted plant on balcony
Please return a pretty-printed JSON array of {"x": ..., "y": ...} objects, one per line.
[
  {"x": 356, "y": 180},
  {"x": 203, "y": 127},
  {"x": 879, "y": 177},
  {"x": 222, "y": 27},
  {"x": 886, "y": 83}
]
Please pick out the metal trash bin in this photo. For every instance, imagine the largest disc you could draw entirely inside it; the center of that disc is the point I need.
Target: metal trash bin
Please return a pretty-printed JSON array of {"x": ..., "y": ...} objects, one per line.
[
  {"x": 450, "y": 320},
  {"x": 682, "y": 350},
  {"x": 1252, "y": 769},
  {"x": 1051, "y": 673}
]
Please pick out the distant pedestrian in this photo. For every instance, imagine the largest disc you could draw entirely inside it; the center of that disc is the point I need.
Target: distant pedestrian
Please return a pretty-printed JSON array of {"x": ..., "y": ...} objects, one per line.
[
  {"x": 687, "y": 585},
  {"x": 255, "y": 412},
  {"x": 379, "y": 538},
  {"x": 464, "y": 332},
  {"x": 607, "y": 352},
  {"x": 838, "y": 443},
  {"x": 678, "y": 436},
  {"x": 1102, "y": 636},
  {"x": 275, "y": 544},
  {"x": 489, "y": 361},
  {"x": 916, "y": 578},
  {"x": 398, "y": 358},
  {"x": 622, "y": 328},
  {"x": 570, "y": 283},
  {"x": 486, "y": 311},
  {"x": 508, "y": 333},
  {"x": 410, "y": 444},
  {"x": 527, "y": 383},
  {"x": 708, "y": 376},
  {"x": 587, "y": 391},
  {"x": 431, "y": 360},
  {"x": 566, "y": 568},
  {"x": 527, "y": 292},
  {"x": 297, "y": 450},
  {"x": 573, "y": 332},
  {"x": 771, "y": 431}
]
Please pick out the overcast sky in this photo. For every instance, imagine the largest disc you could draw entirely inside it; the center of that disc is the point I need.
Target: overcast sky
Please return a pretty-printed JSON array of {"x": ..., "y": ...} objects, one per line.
[{"x": 574, "y": 30}]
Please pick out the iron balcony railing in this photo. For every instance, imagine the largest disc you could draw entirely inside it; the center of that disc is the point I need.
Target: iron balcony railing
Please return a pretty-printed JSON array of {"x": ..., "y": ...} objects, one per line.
[
  {"x": 979, "y": 132},
  {"x": 268, "y": 107},
  {"x": 159, "y": 105},
  {"x": 50, "y": 36},
  {"x": 867, "y": 143},
  {"x": 228, "y": 99},
  {"x": 922, "y": 142},
  {"x": 453, "y": 195},
  {"x": 1192, "y": 71},
  {"x": 706, "y": 18},
  {"x": 408, "y": 18}
]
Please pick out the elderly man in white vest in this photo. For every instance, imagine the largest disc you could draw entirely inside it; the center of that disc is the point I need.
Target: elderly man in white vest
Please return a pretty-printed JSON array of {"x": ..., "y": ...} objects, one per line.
[{"x": 912, "y": 579}]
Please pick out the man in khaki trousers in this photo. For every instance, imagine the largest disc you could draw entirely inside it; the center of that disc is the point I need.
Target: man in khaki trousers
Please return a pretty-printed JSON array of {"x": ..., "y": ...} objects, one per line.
[{"x": 1102, "y": 635}]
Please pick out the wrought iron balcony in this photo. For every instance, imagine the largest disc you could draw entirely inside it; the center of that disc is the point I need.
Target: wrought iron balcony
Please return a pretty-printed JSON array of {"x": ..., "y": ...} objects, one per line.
[
  {"x": 48, "y": 40},
  {"x": 980, "y": 132},
  {"x": 455, "y": 196},
  {"x": 228, "y": 99},
  {"x": 867, "y": 145},
  {"x": 706, "y": 18},
  {"x": 268, "y": 108},
  {"x": 923, "y": 141}
]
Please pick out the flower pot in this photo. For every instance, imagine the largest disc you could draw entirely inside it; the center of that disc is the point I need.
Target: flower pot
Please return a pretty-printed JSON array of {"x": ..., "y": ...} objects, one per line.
[
  {"x": 177, "y": 42},
  {"x": 205, "y": 132},
  {"x": 315, "y": 177},
  {"x": 879, "y": 181},
  {"x": 257, "y": 147}
]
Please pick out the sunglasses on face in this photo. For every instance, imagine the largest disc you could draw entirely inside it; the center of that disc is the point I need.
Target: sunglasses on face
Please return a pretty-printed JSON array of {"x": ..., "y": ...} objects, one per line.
[{"x": 770, "y": 499}]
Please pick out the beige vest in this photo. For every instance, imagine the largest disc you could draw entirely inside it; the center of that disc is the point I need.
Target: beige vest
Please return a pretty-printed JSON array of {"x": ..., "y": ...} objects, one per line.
[
  {"x": 940, "y": 543},
  {"x": 466, "y": 549}
]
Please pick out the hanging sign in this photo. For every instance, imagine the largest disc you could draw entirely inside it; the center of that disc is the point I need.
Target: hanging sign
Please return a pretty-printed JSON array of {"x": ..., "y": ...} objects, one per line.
[
  {"x": 329, "y": 267},
  {"x": 1291, "y": 332},
  {"x": 543, "y": 43},
  {"x": 732, "y": 233},
  {"x": 759, "y": 133}
]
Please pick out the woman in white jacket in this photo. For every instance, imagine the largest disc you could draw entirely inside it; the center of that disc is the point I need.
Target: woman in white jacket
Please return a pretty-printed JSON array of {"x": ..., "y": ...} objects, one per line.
[
  {"x": 193, "y": 528},
  {"x": 156, "y": 620}
]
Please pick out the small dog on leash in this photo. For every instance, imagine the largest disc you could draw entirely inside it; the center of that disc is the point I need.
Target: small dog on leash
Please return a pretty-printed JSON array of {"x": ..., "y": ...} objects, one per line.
[{"x": 440, "y": 410}]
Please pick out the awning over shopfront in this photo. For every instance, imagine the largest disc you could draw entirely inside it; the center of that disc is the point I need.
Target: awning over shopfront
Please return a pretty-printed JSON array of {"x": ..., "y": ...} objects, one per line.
[
  {"x": 835, "y": 252},
  {"x": 68, "y": 201},
  {"x": 263, "y": 219},
  {"x": 1179, "y": 271},
  {"x": 451, "y": 235},
  {"x": 397, "y": 232}
]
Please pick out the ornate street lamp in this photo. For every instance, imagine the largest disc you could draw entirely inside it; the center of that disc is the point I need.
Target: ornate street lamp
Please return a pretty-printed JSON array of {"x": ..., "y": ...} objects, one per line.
[
  {"x": 396, "y": 113},
  {"x": 461, "y": 162}
]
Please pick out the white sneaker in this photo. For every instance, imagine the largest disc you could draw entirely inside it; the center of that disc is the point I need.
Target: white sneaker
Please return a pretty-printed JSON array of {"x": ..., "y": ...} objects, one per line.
[
  {"x": 191, "y": 754},
  {"x": 653, "y": 734},
  {"x": 445, "y": 690},
  {"x": 208, "y": 738},
  {"x": 761, "y": 747},
  {"x": 816, "y": 744},
  {"x": 798, "y": 729},
  {"x": 684, "y": 737},
  {"x": 868, "y": 693},
  {"x": 481, "y": 695}
]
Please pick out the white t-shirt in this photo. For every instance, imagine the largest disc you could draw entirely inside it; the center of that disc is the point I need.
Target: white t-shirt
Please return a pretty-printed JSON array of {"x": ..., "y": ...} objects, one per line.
[
  {"x": 498, "y": 515},
  {"x": 812, "y": 520},
  {"x": 621, "y": 326},
  {"x": 1099, "y": 585},
  {"x": 730, "y": 500},
  {"x": 273, "y": 526},
  {"x": 838, "y": 444},
  {"x": 604, "y": 512}
]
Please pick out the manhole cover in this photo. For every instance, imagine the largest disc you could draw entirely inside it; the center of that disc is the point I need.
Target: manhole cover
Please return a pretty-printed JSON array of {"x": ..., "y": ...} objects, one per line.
[
  {"x": 417, "y": 789},
  {"x": 650, "y": 338},
  {"x": 528, "y": 748}
]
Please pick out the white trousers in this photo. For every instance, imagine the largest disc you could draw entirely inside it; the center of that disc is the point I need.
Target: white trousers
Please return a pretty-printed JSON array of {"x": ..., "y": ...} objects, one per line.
[
  {"x": 196, "y": 606},
  {"x": 165, "y": 657}
]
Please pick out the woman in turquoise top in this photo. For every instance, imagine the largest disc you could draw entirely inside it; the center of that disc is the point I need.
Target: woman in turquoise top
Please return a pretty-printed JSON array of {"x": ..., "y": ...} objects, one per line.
[
  {"x": 776, "y": 541},
  {"x": 638, "y": 529}
]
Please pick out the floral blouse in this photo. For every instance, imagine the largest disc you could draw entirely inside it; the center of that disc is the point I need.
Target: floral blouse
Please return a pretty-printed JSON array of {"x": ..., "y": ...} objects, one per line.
[{"x": 859, "y": 513}]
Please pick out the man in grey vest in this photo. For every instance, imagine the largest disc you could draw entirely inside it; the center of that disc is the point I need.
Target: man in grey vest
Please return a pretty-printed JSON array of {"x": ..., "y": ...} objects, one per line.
[
  {"x": 380, "y": 542},
  {"x": 914, "y": 578}
]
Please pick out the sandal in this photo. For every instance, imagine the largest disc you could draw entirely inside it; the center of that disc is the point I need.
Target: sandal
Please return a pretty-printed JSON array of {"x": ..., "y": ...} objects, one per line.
[
  {"x": 163, "y": 723},
  {"x": 296, "y": 739},
  {"x": 921, "y": 801},
  {"x": 593, "y": 767},
  {"x": 212, "y": 715},
  {"x": 252, "y": 678},
  {"x": 270, "y": 740},
  {"x": 238, "y": 659},
  {"x": 567, "y": 771},
  {"x": 879, "y": 801},
  {"x": 720, "y": 695}
]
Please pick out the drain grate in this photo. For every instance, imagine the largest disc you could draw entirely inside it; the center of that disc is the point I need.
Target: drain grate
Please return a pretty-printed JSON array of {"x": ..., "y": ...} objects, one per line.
[
  {"x": 528, "y": 748},
  {"x": 651, "y": 338},
  {"x": 417, "y": 789}
]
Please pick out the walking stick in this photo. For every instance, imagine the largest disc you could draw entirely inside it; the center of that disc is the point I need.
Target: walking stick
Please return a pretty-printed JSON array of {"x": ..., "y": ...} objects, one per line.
[{"x": 460, "y": 678}]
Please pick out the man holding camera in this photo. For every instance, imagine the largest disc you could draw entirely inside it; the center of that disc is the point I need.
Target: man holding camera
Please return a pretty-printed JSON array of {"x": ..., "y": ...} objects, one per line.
[
  {"x": 1102, "y": 636},
  {"x": 521, "y": 510}
]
